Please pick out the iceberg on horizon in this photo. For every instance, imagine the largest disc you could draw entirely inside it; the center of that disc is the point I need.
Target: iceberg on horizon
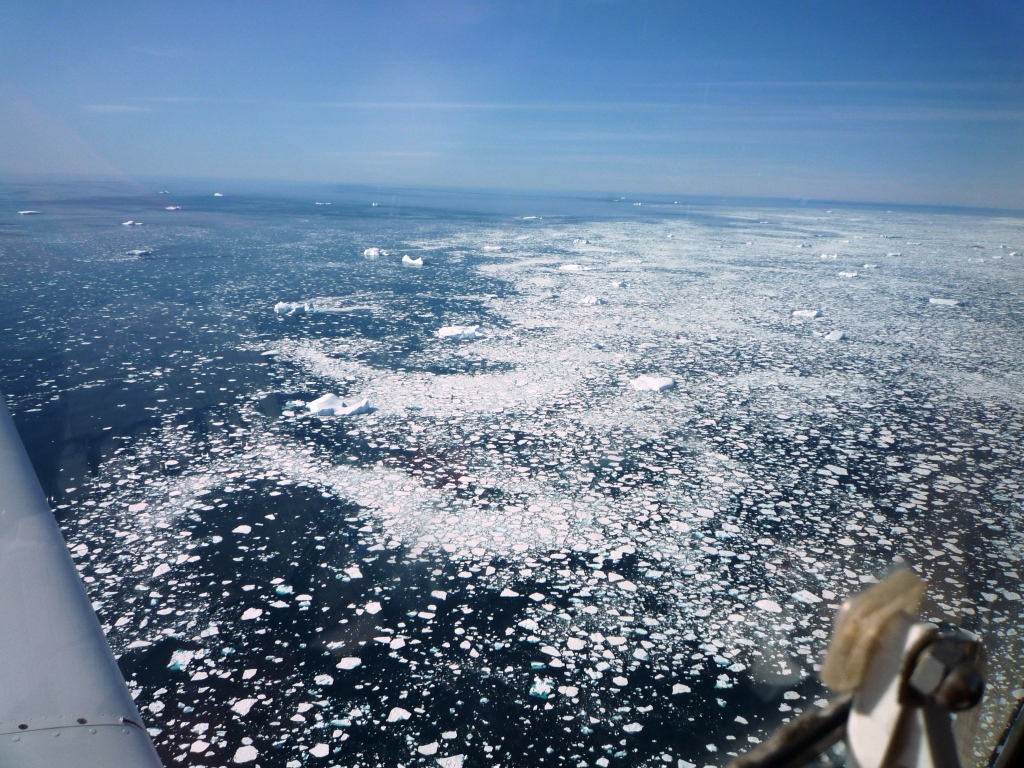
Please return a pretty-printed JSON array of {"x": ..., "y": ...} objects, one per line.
[
  {"x": 291, "y": 309},
  {"x": 460, "y": 332},
  {"x": 652, "y": 383},
  {"x": 412, "y": 262}
]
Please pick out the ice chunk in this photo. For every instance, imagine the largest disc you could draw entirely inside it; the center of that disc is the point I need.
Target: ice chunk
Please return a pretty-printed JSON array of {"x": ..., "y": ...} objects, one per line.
[
  {"x": 806, "y": 597},
  {"x": 320, "y": 750},
  {"x": 769, "y": 605},
  {"x": 373, "y": 253},
  {"x": 349, "y": 662},
  {"x": 332, "y": 405},
  {"x": 245, "y": 754},
  {"x": 291, "y": 309},
  {"x": 506, "y": 592},
  {"x": 632, "y": 727},
  {"x": 492, "y": 247},
  {"x": 591, "y": 300},
  {"x": 580, "y": 241},
  {"x": 180, "y": 659},
  {"x": 139, "y": 252},
  {"x": 943, "y": 302},
  {"x": 243, "y": 706},
  {"x": 354, "y": 572},
  {"x": 572, "y": 268},
  {"x": 808, "y": 314},
  {"x": 439, "y": 594},
  {"x": 575, "y": 644},
  {"x": 127, "y": 223},
  {"x": 176, "y": 208},
  {"x": 679, "y": 688},
  {"x": 412, "y": 262},
  {"x": 835, "y": 336},
  {"x": 160, "y": 570},
  {"x": 323, "y": 680},
  {"x": 847, "y": 274},
  {"x": 372, "y": 608},
  {"x": 29, "y": 213},
  {"x": 460, "y": 332},
  {"x": 217, "y": 194},
  {"x": 550, "y": 650},
  {"x": 427, "y": 749},
  {"x": 251, "y": 614},
  {"x": 455, "y": 761},
  {"x": 242, "y": 529},
  {"x": 541, "y": 687},
  {"x": 652, "y": 383},
  {"x": 397, "y": 715}
]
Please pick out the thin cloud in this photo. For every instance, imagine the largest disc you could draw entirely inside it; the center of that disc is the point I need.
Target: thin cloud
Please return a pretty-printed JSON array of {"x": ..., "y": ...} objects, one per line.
[{"x": 113, "y": 108}]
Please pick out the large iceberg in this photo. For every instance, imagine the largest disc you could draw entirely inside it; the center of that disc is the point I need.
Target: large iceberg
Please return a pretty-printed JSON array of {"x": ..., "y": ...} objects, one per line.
[
  {"x": 460, "y": 332},
  {"x": 652, "y": 383},
  {"x": 292, "y": 308},
  {"x": 332, "y": 405}
]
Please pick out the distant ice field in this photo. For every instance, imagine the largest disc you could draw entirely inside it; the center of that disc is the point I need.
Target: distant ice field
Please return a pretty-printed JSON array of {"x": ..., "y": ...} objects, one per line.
[{"x": 613, "y": 477}]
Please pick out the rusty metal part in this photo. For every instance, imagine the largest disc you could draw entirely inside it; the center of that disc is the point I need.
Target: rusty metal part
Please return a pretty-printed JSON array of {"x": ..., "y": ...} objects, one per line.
[{"x": 801, "y": 740}]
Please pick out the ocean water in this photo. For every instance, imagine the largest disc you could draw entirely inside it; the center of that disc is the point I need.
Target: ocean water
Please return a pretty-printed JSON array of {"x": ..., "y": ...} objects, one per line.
[{"x": 518, "y": 558}]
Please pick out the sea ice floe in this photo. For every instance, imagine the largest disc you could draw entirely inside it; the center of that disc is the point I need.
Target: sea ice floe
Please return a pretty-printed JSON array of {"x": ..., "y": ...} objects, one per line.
[
  {"x": 243, "y": 706},
  {"x": 320, "y": 750},
  {"x": 373, "y": 253},
  {"x": 572, "y": 268},
  {"x": 809, "y": 314},
  {"x": 460, "y": 332},
  {"x": 652, "y": 383},
  {"x": 835, "y": 336},
  {"x": 806, "y": 597},
  {"x": 591, "y": 300},
  {"x": 245, "y": 754},
  {"x": 349, "y": 662},
  {"x": 140, "y": 252},
  {"x": 943, "y": 302},
  {"x": 847, "y": 274},
  {"x": 492, "y": 247},
  {"x": 412, "y": 262},
  {"x": 769, "y": 605},
  {"x": 428, "y": 749},
  {"x": 454, "y": 761},
  {"x": 332, "y": 405},
  {"x": 397, "y": 715}
]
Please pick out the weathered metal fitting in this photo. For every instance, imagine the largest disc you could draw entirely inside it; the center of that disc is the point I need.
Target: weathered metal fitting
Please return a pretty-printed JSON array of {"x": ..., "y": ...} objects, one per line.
[{"x": 950, "y": 671}]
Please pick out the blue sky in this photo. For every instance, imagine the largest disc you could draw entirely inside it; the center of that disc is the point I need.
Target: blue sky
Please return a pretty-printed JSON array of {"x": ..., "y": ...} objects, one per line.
[{"x": 917, "y": 102}]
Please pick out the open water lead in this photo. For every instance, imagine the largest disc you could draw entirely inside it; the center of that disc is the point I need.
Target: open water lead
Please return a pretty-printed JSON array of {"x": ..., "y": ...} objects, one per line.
[{"x": 899, "y": 680}]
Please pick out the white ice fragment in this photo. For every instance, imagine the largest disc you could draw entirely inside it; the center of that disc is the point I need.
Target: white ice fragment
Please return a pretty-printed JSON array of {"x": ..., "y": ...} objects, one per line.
[
  {"x": 174, "y": 208},
  {"x": 806, "y": 597},
  {"x": 809, "y": 314},
  {"x": 680, "y": 688},
  {"x": 245, "y": 754},
  {"x": 137, "y": 507},
  {"x": 769, "y": 605},
  {"x": 550, "y": 650},
  {"x": 506, "y": 592},
  {"x": 943, "y": 302},
  {"x": 531, "y": 625},
  {"x": 572, "y": 268},
  {"x": 217, "y": 194},
  {"x": 372, "y": 608},
  {"x": 354, "y": 572},
  {"x": 632, "y": 727},
  {"x": 846, "y": 541},
  {"x": 242, "y": 529},
  {"x": 349, "y": 662},
  {"x": 536, "y": 597},
  {"x": 292, "y": 309},
  {"x": 243, "y": 706},
  {"x": 320, "y": 750},
  {"x": 439, "y": 594},
  {"x": 161, "y": 569},
  {"x": 541, "y": 687},
  {"x": 199, "y": 746},
  {"x": 181, "y": 659},
  {"x": 29, "y": 213},
  {"x": 323, "y": 680},
  {"x": 397, "y": 715},
  {"x": 627, "y": 586},
  {"x": 427, "y": 749},
  {"x": 139, "y": 252},
  {"x": 460, "y": 332},
  {"x": 622, "y": 682},
  {"x": 332, "y": 405},
  {"x": 591, "y": 300},
  {"x": 652, "y": 383},
  {"x": 836, "y": 470},
  {"x": 251, "y": 614},
  {"x": 835, "y": 336},
  {"x": 847, "y": 274},
  {"x": 575, "y": 644},
  {"x": 492, "y": 247},
  {"x": 412, "y": 262},
  {"x": 455, "y": 761}
]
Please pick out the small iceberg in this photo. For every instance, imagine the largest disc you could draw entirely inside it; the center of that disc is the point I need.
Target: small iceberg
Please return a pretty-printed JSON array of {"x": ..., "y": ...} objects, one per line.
[
  {"x": 127, "y": 223},
  {"x": 847, "y": 274},
  {"x": 492, "y": 247},
  {"x": 460, "y": 332},
  {"x": 173, "y": 208},
  {"x": 620, "y": 284},
  {"x": 581, "y": 241},
  {"x": 835, "y": 336},
  {"x": 412, "y": 262},
  {"x": 372, "y": 253},
  {"x": 292, "y": 308},
  {"x": 652, "y": 383},
  {"x": 808, "y": 314},
  {"x": 332, "y": 405},
  {"x": 29, "y": 213},
  {"x": 140, "y": 252},
  {"x": 591, "y": 300},
  {"x": 943, "y": 302},
  {"x": 217, "y": 194},
  {"x": 572, "y": 268}
]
